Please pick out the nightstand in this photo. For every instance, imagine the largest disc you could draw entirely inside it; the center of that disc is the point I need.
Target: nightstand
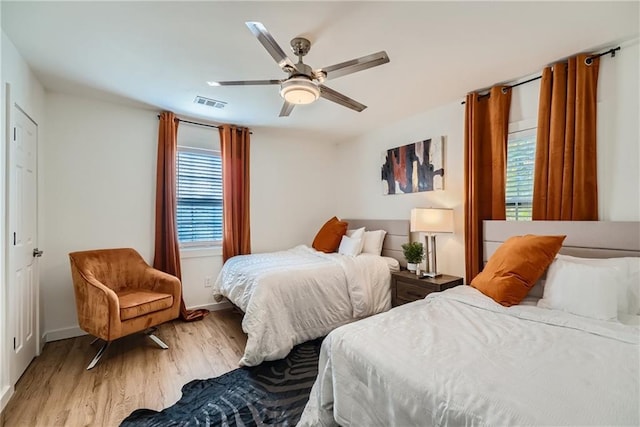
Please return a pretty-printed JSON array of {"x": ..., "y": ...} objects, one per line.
[{"x": 407, "y": 287}]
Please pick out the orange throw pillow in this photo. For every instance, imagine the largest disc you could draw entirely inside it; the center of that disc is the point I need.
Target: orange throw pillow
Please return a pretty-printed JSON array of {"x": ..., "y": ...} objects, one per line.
[
  {"x": 328, "y": 238},
  {"x": 516, "y": 266}
]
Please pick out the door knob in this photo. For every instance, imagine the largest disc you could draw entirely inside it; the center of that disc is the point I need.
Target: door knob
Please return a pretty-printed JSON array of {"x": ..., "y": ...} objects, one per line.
[{"x": 37, "y": 253}]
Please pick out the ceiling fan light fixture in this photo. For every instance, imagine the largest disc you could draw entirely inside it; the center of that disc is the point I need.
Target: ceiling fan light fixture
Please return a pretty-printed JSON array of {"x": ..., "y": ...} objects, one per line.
[{"x": 299, "y": 90}]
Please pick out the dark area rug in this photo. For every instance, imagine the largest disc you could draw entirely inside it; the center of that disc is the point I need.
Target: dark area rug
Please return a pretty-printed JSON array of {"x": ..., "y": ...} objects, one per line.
[{"x": 273, "y": 393}]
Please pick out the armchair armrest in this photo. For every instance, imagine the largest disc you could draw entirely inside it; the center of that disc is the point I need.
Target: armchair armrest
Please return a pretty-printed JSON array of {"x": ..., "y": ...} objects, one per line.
[
  {"x": 98, "y": 306},
  {"x": 159, "y": 281},
  {"x": 99, "y": 291}
]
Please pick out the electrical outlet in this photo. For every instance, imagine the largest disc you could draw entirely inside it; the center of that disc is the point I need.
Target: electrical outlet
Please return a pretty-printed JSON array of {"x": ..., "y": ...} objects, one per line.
[{"x": 207, "y": 282}]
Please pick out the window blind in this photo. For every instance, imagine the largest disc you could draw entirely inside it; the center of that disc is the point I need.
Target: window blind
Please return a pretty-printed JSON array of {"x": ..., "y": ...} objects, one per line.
[
  {"x": 521, "y": 151},
  {"x": 199, "y": 213}
]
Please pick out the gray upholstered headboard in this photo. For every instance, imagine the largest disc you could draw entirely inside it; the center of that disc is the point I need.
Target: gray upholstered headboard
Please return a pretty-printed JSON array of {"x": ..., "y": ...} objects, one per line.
[
  {"x": 590, "y": 239},
  {"x": 397, "y": 234}
]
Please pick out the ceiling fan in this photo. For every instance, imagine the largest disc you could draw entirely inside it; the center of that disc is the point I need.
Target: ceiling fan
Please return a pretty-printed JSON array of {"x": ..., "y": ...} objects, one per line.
[{"x": 305, "y": 85}]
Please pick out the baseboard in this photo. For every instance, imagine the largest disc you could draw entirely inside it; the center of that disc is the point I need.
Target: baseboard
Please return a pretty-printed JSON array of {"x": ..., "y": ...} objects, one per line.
[
  {"x": 5, "y": 395},
  {"x": 214, "y": 306},
  {"x": 75, "y": 331},
  {"x": 63, "y": 333}
]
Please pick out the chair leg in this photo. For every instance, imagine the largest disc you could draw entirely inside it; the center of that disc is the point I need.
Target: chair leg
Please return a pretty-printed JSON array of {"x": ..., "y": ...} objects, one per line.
[
  {"x": 157, "y": 340},
  {"x": 95, "y": 360},
  {"x": 106, "y": 345}
]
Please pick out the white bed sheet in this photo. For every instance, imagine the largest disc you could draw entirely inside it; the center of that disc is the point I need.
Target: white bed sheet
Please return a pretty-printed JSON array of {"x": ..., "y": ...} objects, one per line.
[
  {"x": 293, "y": 296},
  {"x": 459, "y": 358}
]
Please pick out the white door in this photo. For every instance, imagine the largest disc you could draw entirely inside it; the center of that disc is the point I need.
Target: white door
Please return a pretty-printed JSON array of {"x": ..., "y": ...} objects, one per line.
[{"x": 23, "y": 271}]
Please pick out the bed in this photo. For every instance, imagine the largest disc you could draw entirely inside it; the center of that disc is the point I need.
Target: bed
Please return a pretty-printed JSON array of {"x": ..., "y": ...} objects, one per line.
[
  {"x": 459, "y": 358},
  {"x": 289, "y": 297}
]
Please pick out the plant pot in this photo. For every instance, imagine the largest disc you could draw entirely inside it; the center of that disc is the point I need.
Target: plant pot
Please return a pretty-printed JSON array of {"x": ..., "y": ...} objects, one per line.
[{"x": 411, "y": 266}]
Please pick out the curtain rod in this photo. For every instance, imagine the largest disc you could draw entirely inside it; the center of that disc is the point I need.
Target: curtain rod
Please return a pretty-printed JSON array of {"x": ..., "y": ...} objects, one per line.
[
  {"x": 200, "y": 124},
  {"x": 588, "y": 60}
]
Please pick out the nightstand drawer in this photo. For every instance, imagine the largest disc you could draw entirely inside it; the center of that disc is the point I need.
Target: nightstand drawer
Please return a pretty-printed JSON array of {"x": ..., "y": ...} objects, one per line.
[
  {"x": 409, "y": 292},
  {"x": 407, "y": 287}
]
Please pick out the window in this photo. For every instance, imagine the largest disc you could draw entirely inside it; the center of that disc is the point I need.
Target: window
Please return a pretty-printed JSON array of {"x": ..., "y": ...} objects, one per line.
[
  {"x": 521, "y": 151},
  {"x": 199, "y": 215}
]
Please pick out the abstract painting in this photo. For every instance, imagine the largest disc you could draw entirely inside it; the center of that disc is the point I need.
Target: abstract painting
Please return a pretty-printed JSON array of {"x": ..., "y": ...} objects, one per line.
[{"x": 413, "y": 167}]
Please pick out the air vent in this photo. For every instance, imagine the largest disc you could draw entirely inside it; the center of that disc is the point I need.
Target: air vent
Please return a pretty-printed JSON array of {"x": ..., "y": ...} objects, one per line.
[{"x": 213, "y": 103}]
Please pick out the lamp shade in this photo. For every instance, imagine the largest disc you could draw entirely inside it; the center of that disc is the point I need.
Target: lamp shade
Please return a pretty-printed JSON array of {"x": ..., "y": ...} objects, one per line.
[
  {"x": 299, "y": 90},
  {"x": 430, "y": 220}
]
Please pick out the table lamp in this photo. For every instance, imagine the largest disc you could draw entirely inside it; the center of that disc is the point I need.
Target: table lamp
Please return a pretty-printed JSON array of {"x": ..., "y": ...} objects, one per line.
[{"x": 431, "y": 221}]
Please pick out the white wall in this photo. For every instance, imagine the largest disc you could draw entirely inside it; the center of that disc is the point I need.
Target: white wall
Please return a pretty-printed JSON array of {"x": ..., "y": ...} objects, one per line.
[
  {"x": 619, "y": 135},
  {"x": 360, "y": 190},
  {"x": 28, "y": 93},
  {"x": 359, "y": 160},
  {"x": 100, "y": 192},
  {"x": 293, "y": 186}
]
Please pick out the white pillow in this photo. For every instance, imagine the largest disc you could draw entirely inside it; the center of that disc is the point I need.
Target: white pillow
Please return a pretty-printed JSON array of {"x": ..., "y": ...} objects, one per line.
[
  {"x": 583, "y": 289},
  {"x": 357, "y": 233},
  {"x": 628, "y": 283},
  {"x": 373, "y": 242},
  {"x": 350, "y": 246}
]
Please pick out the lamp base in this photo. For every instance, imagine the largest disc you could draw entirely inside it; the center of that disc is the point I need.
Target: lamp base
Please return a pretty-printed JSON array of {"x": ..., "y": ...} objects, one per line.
[{"x": 431, "y": 275}]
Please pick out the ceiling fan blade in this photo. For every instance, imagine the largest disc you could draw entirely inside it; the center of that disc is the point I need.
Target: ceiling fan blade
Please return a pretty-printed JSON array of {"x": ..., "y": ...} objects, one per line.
[
  {"x": 354, "y": 65},
  {"x": 269, "y": 43},
  {"x": 287, "y": 108},
  {"x": 245, "y": 83},
  {"x": 341, "y": 99}
]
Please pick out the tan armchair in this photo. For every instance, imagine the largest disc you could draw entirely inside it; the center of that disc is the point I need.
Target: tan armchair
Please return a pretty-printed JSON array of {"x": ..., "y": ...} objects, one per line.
[{"x": 118, "y": 294}]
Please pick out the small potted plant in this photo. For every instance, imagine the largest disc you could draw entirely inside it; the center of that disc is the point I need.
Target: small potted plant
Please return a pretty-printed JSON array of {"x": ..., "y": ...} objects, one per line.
[{"x": 414, "y": 254}]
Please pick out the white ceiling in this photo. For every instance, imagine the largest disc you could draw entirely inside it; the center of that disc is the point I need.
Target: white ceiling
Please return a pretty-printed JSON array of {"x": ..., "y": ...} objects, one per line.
[{"x": 162, "y": 53}]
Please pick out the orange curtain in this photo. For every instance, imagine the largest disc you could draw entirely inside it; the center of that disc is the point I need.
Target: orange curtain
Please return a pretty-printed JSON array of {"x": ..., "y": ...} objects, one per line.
[
  {"x": 234, "y": 147},
  {"x": 565, "y": 178},
  {"x": 485, "y": 154},
  {"x": 167, "y": 250}
]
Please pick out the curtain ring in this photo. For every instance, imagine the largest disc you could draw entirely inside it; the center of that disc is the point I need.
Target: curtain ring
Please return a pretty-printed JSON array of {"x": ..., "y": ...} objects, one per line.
[
  {"x": 588, "y": 61},
  {"x": 504, "y": 90}
]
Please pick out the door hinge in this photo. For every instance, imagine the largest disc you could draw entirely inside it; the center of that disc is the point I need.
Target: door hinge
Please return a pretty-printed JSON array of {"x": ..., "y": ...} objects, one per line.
[
  {"x": 14, "y": 343},
  {"x": 14, "y": 133},
  {"x": 14, "y": 238}
]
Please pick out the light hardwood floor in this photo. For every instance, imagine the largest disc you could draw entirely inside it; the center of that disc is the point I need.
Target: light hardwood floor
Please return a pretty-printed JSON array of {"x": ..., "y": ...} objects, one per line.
[{"x": 57, "y": 390}]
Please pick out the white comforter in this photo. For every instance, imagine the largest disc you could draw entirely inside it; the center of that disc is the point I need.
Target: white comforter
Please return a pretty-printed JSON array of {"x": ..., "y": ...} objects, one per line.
[
  {"x": 292, "y": 296},
  {"x": 458, "y": 358}
]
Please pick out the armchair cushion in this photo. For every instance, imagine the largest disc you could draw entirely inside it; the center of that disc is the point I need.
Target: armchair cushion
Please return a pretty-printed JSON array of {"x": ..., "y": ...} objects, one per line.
[{"x": 135, "y": 303}]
